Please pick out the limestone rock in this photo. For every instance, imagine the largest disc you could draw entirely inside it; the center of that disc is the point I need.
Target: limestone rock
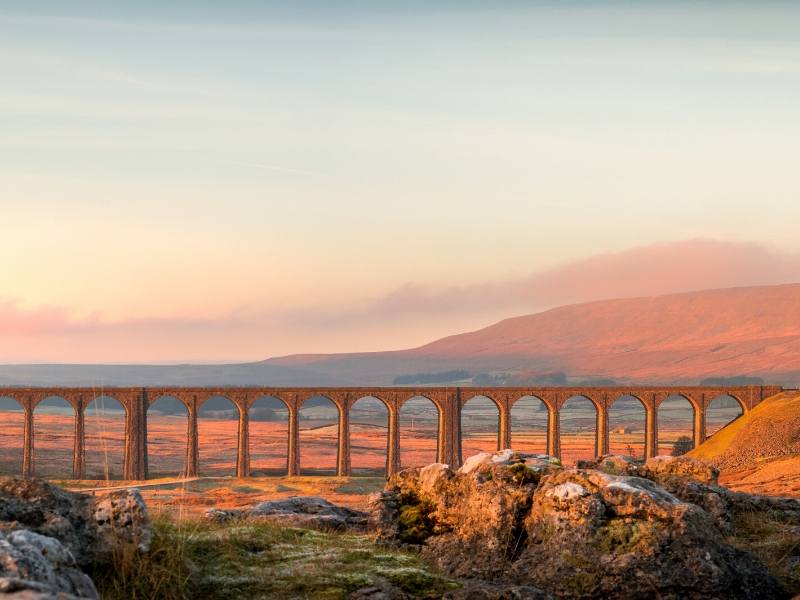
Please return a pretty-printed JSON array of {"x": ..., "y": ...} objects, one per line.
[
  {"x": 37, "y": 566},
  {"x": 505, "y": 458},
  {"x": 92, "y": 528},
  {"x": 523, "y": 525},
  {"x": 299, "y": 511},
  {"x": 625, "y": 537},
  {"x": 661, "y": 467},
  {"x": 614, "y": 464}
]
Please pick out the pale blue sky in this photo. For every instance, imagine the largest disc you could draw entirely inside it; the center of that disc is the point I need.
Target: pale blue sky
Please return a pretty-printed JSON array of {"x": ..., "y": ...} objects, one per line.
[{"x": 259, "y": 157}]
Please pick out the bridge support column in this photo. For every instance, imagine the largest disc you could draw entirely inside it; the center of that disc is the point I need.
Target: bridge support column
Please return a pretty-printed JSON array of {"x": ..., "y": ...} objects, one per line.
[
  {"x": 144, "y": 404},
  {"x": 651, "y": 433},
  {"x": 192, "y": 440},
  {"x": 504, "y": 427},
  {"x": 293, "y": 466},
  {"x": 243, "y": 443},
  {"x": 393, "y": 443},
  {"x": 27, "y": 448},
  {"x": 449, "y": 447},
  {"x": 79, "y": 452},
  {"x": 699, "y": 426},
  {"x": 553, "y": 433},
  {"x": 343, "y": 450},
  {"x": 602, "y": 434},
  {"x": 135, "y": 438}
]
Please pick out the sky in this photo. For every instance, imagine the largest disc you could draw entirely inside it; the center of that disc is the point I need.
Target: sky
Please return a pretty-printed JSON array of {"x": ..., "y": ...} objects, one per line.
[{"x": 208, "y": 181}]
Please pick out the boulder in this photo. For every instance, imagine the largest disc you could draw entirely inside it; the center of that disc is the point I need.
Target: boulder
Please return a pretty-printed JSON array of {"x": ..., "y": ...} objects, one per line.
[
  {"x": 34, "y": 566},
  {"x": 595, "y": 535},
  {"x": 523, "y": 526},
  {"x": 92, "y": 528},
  {"x": 498, "y": 487},
  {"x": 662, "y": 467},
  {"x": 298, "y": 511}
]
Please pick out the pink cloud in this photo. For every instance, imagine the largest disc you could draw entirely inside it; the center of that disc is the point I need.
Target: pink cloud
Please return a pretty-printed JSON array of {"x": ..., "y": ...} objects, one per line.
[
  {"x": 16, "y": 321},
  {"x": 410, "y": 315},
  {"x": 662, "y": 268}
]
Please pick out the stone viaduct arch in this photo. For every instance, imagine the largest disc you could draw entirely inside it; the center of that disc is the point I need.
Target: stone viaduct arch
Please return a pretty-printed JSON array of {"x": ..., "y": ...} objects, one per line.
[{"x": 448, "y": 401}]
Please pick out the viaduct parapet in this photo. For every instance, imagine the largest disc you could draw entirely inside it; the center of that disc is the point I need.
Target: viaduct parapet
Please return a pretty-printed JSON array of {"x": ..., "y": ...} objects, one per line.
[{"x": 448, "y": 400}]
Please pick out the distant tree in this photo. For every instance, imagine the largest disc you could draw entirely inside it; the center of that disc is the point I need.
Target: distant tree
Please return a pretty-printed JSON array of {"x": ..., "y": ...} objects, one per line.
[
  {"x": 487, "y": 379},
  {"x": 631, "y": 451},
  {"x": 262, "y": 413},
  {"x": 735, "y": 380},
  {"x": 682, "y": 445},
  {"x": 428, "y": 378}
]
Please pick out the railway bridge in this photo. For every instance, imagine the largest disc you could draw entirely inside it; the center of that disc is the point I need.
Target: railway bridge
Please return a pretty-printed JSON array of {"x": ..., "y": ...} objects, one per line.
[{"x": 449, "y": 402}]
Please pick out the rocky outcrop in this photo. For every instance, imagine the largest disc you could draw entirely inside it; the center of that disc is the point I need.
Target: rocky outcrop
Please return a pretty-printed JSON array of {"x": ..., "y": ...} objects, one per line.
[
  {"x": 617, "y": 529},
  {"x": 48, "y": 534},
  {"x": 34, "y": 566},
  {"x": 92, "y": 528},
  {"x": 297, "y": 511}
]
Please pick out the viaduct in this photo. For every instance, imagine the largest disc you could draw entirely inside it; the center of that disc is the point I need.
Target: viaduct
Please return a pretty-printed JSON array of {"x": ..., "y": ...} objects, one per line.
[{"x": 448, "y": 400}]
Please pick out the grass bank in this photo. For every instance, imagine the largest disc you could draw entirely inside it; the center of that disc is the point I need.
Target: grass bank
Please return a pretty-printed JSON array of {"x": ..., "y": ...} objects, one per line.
[{"x": 195, "y": 559}]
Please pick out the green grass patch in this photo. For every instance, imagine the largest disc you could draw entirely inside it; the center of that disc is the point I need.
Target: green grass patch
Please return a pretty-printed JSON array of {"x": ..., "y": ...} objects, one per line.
[
  {"x": 246, "y": 489},
  {"x": 195, "y": 559},
  {"x": 284, "y": 488},
  {"x": 361, "y": 486}
]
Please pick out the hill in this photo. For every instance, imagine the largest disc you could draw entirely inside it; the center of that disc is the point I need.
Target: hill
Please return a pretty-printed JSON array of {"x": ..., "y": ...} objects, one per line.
[
  {"x": 677, "y": 338},
  {"x": 752, "y": 331},
  {"x": 760, "y": 451}
]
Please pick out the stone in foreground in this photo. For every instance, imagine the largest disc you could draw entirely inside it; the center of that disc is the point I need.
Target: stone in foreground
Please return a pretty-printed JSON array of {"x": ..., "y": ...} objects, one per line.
[
  {"x": 298, "y": 511},
  {"x": 517, "y": 521},
  {"x": 34, "y": 566},
  {"x": 92, "y": 528}
]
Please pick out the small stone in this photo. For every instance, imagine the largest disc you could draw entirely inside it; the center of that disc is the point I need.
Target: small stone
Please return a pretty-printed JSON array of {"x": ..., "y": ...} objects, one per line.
[{"x": 299, "y": 511}]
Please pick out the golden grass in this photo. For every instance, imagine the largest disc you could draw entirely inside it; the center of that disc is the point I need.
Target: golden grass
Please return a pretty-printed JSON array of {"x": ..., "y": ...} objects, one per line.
[
  {"x": 774, "y": 541},
  {"x": 720, "y": 442}
]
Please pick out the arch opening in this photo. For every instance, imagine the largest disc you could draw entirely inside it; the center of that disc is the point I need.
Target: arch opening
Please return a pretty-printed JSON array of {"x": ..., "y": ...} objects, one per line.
[
  {"x": 675, "y": 425},
  {"x": 627, "y": 422},
  {"x": 530, "y": 419},
  {"x": 723, "y": 410},
  {"x": 54, "y": 438},
  {"x": 12, "y": 436},
  {"x": 369, "y": 437},
  {"x": 104, "y": 421},
  {"x": 480, "y": 426},
  {"x": 269, "y": 436},
  {"x": 167, "y": 420},
  {"x": 319, "y": 436},
  {"x": 419, "y": 432},
  {"x": 218, "y": 436},
  {"x": 578, "y": 427}
]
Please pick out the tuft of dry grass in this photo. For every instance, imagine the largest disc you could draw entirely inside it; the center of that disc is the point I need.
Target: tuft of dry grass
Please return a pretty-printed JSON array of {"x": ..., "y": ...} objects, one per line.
[
  {"x": 196, "y": 559},
  {"x": 774, "y": 541}
]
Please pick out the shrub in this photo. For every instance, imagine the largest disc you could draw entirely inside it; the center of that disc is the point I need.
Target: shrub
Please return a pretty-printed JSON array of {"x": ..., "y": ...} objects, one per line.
[{"x": 682, "y": 445}]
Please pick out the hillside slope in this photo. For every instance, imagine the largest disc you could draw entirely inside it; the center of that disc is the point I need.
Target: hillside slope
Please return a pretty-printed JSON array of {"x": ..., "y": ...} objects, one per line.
[
  {"x": 679, "y": 338},
  {"x": 760, "y": 451},
  {"x": 675, "y": 338}
]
